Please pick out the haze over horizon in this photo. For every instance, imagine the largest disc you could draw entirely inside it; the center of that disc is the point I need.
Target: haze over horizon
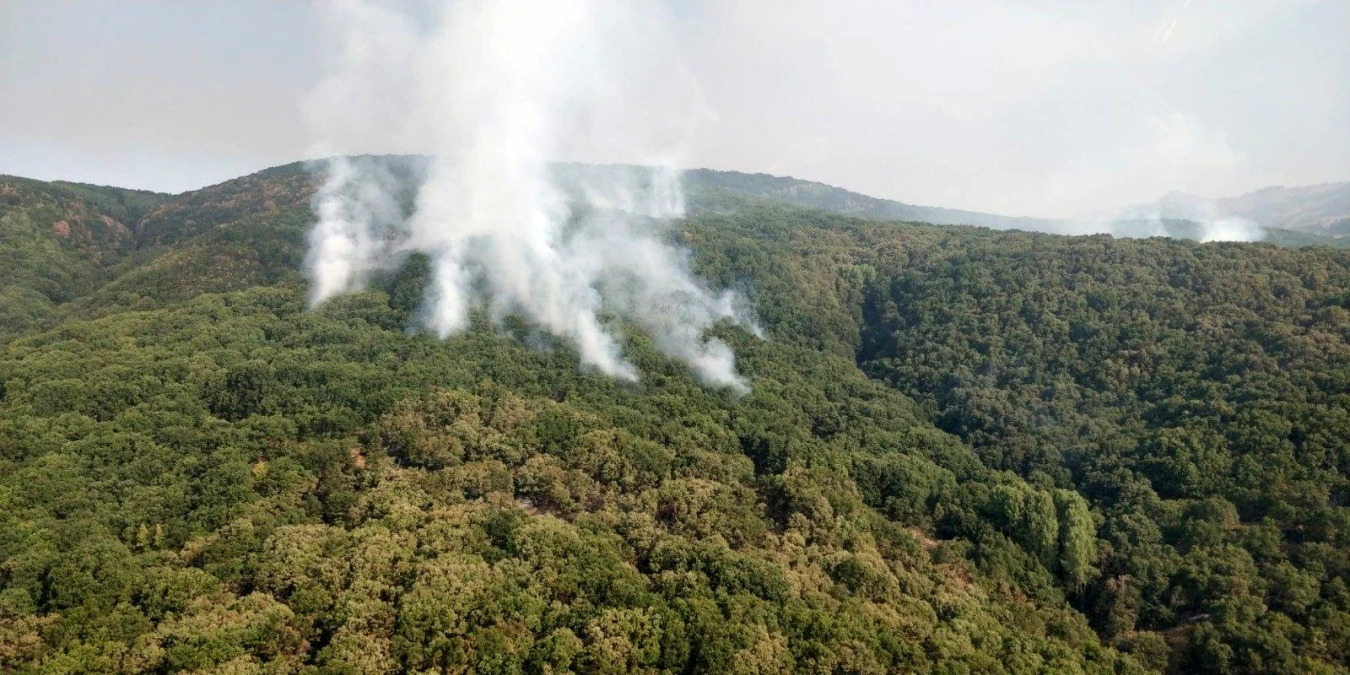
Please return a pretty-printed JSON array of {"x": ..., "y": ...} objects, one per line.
[{"x": 1029, "y": 108}]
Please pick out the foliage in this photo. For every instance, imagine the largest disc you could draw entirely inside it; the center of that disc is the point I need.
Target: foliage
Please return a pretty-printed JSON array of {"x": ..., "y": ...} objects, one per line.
[
  {"x": 59, "y": 241},
  {"x": 1193, "y": 395},
  {"x": 964, "y": 451}
]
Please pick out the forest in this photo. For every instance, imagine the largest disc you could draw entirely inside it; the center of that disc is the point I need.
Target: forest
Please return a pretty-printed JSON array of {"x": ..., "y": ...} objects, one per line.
[{"x": 964, "y": 451}]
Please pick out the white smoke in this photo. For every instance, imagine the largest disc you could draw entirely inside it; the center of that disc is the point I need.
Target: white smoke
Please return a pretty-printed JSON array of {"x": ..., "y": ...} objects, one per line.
[
  {"x": 1186, "y": 217},
  {"x": 356, "y": 207},
  {"x": 1176, "y": 215},
  {"x": 1232, "y": 229},
  {"x": 493, "y": 90}
]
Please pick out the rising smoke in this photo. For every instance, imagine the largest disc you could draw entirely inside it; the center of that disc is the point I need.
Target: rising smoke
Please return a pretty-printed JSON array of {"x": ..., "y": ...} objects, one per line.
[
  {"x": 1179, "y": 216},
  {"x": 493, "y": 91}
]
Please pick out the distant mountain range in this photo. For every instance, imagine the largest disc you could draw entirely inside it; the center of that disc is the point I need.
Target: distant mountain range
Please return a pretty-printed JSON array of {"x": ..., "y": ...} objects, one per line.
[
  {"x": 707, "y": 188},
  {"x": 1287, "y": 216},
  {"x": 1322, "y": 210}
]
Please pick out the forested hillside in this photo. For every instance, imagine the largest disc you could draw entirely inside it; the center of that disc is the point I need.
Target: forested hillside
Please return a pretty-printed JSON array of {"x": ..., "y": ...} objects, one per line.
[
  {"x": 709, "y": 187},
  {"x": 1196, "y": 395},
  {"x": 58, "y": 242},
  {"x": 964, "y": 451}
]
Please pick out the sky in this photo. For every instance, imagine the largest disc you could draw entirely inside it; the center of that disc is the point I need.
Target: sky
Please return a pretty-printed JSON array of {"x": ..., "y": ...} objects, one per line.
[{"x": 1051, "y": 108}]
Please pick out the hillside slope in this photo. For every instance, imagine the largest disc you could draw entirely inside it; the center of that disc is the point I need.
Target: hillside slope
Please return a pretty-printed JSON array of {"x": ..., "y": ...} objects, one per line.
[
  {"x": 964, "y": 451},
  {"x": 60, "y": 241},
  {"x": 1194, "y": 394},
  {"x": 706, "y": 187}
]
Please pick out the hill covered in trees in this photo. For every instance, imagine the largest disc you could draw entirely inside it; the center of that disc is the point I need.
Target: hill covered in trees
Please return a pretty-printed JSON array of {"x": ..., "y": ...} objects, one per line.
[
  {"x": 59, "y": 242},
  {"x": 964, "y": 451}
]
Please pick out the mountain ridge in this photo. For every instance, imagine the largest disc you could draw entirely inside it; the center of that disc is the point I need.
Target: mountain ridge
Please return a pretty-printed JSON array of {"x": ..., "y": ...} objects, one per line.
[
  {"x": 118, "y": 230},
  {"x": 1272, "y": 207}
]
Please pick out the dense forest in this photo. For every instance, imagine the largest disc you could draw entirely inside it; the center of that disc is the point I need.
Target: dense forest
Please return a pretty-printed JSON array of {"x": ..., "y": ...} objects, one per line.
[{"x": 964, "y": 451}]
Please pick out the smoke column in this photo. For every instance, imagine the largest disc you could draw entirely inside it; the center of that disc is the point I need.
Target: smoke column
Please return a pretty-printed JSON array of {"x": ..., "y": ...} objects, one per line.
[{"x": 494, "y": 91}]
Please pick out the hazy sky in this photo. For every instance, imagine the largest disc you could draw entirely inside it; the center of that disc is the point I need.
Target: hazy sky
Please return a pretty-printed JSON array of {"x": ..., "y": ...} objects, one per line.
[{"x": 1023, "y": 107}]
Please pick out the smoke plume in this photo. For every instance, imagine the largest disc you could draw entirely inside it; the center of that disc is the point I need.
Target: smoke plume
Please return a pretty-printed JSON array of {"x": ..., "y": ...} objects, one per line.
[
  {"x": 494, "y": 91},
  {"x": 1180, "y": 216}
]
